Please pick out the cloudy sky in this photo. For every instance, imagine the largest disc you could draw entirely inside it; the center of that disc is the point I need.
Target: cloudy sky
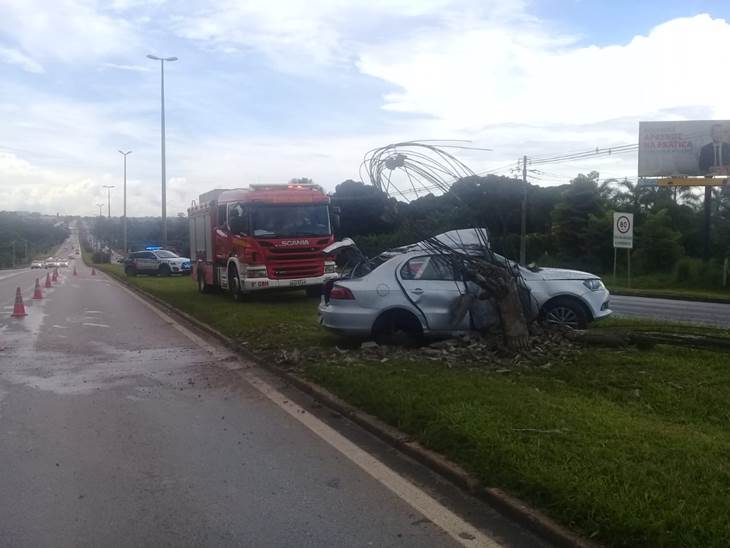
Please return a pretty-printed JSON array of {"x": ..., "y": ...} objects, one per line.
[{"x": 269, "y": 90}]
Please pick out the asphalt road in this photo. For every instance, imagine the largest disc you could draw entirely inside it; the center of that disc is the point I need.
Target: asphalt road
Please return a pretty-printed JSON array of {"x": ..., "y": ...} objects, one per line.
[
  {"x": 715, "y": 314},
  {"x": 120, "y": 427}
]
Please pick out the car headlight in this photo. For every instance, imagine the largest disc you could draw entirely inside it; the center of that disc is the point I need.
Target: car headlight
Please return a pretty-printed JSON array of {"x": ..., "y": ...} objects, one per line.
[
  {"x": 594, "y": 284},
  {"x": 329, "y": 267}
]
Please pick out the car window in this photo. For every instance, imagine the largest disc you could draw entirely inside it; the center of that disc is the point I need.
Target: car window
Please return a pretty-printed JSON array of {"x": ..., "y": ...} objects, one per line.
[
  {"x": 428, "y": 268},
  {"x": 165, "y": 254},
  {"x": 149, "y": 255}
]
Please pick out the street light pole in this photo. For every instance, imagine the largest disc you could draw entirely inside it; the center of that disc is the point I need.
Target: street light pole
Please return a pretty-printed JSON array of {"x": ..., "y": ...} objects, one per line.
[
  {"x": 108, "y": 200},
  {"x": 99, "y": 206},
  {"x": 523, "y": 216},
  {"x": 124, "y": 217},
  {"x": 162, "y": 134}
]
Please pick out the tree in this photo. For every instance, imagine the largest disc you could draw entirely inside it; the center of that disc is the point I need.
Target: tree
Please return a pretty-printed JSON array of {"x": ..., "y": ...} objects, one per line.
[
  {"x": 364, "y": 209},
  {"x": 658, "y": 245},
  {"x": 572, "y": 218}
]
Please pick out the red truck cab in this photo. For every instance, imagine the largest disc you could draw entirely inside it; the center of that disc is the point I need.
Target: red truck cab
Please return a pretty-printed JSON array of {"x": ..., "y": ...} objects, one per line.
[{"x": 262, "y": 237}]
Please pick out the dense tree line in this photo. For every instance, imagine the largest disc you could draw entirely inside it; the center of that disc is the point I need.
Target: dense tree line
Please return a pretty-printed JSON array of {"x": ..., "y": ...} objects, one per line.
[
  {"x": 567, "y": 225},
  {"x": 34, "y": 236}
]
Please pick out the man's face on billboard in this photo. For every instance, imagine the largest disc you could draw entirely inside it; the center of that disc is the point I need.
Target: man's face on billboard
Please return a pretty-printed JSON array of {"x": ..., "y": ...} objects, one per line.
[{"x": 717, "y": 133}]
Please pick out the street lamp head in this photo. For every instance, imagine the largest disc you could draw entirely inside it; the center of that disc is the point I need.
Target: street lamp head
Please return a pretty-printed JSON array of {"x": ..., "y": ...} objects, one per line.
[
  {"x": 124, "y": 153},
  {"x": 155, "y": 58}
]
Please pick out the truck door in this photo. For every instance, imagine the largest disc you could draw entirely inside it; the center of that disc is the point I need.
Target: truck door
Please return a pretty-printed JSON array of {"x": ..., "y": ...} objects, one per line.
[{"x": 429, "y": 282}]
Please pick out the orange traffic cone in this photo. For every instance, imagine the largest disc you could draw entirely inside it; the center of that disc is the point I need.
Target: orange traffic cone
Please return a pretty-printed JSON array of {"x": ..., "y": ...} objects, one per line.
[
  {"x": 19, "y": 308},
  {"x": 38, "y": 293},
  {"x": 48, "y": 281},
  {"x": 75, "y": 273},
  {"x": 93, "y": 271},
  {"x": 54, "y": 278}
]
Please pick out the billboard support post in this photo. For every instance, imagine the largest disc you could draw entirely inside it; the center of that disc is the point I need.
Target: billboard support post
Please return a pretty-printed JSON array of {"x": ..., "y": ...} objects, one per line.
[
  {"x": 706, "y": 224},
  {"x": 628, "y": 261}
]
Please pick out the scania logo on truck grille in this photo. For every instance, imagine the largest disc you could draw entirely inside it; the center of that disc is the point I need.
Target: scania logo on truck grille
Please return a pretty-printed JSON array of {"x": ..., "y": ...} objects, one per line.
[{"x": 293, "y": 242}]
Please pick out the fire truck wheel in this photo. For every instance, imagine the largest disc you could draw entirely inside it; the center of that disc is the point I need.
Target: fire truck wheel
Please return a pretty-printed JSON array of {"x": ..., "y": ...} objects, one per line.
[{"x": 234, "y": 284}]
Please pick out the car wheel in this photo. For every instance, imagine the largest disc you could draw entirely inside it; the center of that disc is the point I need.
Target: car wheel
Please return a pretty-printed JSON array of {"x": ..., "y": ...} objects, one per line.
[
  {"x": 164, "y": 270},
  {"x": 130, "y": 271},
  {"x": 397, "y": 327},
  {"x": 565, "y": 312},
  {"x": 234, "y": 284}
]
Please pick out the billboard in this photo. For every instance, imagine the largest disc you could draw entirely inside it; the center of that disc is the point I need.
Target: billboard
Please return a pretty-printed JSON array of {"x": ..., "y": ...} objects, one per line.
[{"x": 692, "y": 148}]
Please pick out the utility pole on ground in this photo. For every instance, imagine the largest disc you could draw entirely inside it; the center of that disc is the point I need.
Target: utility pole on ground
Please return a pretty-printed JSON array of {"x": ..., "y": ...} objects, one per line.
[
  {"x": 124, "y": 213},
  {"x": 109, "y": 200},
  {"x": 162, "y": 132},
  {"x": 706, "y": 224},
  {"x": 523, "y": 221}
]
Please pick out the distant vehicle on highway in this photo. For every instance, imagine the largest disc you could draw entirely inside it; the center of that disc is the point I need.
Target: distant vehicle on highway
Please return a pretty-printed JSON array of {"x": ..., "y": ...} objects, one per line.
[
  {"x": 50, "y": 262},
  {"x": 160, "y": 262},
  {"x": 37, "y": 264},
  {"x": 413, "y": 290}
]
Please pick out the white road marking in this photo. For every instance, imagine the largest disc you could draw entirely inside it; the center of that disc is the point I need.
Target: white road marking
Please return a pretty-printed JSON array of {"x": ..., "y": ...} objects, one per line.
[
  {"x": 60, "y": 326},
  {"x": 95, "y": 324},
  {"x": 460, "y": 530},
  {"x": 93, "y": 312}
]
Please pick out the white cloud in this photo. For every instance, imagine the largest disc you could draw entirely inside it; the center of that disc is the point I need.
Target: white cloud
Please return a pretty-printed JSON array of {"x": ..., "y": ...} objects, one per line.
[
  {"x": 476, "y": 74},
  {"x": 131, "y": 68},
  {"x": 15, "y": 57},
  {"x": 64, "y": 30},
  {"x": 301, "y": 35}
]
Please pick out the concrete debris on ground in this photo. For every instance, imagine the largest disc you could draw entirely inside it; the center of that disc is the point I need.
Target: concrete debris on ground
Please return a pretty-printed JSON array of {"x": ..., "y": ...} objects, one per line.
[{"x": 487, "y": 352}]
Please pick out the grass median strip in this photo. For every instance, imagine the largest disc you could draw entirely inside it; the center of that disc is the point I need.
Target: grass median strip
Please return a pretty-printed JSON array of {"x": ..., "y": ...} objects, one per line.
[{"x": 628, "y": 447}]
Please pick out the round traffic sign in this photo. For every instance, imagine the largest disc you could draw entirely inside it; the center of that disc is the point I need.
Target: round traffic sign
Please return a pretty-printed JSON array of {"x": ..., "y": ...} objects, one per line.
[{"x": 623, "y": 224}]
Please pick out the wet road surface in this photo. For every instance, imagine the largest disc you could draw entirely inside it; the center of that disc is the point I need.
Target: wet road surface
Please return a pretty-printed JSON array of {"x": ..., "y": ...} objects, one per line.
[
  {"x": 118, "y": 429},
  {"x": 715, "y": 314}
]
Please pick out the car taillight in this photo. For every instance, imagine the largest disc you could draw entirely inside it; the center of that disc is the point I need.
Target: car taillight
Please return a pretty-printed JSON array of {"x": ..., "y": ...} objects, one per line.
[{"x": 341, "y": 293}]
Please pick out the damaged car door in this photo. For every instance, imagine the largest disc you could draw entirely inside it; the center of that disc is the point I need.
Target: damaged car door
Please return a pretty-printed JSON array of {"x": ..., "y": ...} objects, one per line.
[{"x": 429, "y": 283}]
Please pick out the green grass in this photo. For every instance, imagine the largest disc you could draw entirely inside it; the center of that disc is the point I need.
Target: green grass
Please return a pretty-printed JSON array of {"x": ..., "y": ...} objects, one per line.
[
  {"x": 674, "y": 293},
  {"x": 701, "y": 283},
  {"x": 639, "y": 325},
  {"x": 629, "y": 447},
  {"x": 259, "y": 320}
]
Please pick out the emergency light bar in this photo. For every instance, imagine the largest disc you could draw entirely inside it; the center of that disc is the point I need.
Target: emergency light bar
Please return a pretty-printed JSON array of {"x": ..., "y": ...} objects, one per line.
[{"x": 290, "y": 186}]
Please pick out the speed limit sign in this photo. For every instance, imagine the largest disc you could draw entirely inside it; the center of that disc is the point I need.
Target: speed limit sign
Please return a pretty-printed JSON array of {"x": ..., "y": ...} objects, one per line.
[{"x": 623, "y": 230}]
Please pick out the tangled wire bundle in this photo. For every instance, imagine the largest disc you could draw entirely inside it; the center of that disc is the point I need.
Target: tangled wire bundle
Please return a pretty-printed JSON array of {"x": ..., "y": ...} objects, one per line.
[{"x": 414, "y": 168}]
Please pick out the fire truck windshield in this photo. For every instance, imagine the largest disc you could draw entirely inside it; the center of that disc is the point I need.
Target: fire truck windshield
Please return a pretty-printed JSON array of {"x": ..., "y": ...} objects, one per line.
[{"x": 271, "y": 221}]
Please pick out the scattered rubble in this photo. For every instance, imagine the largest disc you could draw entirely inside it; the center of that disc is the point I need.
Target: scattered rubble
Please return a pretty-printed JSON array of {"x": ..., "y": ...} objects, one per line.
[{"x": 488, "y": 352}]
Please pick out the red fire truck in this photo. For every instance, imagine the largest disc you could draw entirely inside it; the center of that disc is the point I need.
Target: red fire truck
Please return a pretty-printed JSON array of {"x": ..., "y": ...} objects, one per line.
[{"x": 262, "y": 237}]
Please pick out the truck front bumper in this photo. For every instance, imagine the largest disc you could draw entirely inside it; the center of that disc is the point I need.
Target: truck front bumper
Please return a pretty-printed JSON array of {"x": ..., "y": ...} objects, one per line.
[{"x": 257, "y": 284}]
